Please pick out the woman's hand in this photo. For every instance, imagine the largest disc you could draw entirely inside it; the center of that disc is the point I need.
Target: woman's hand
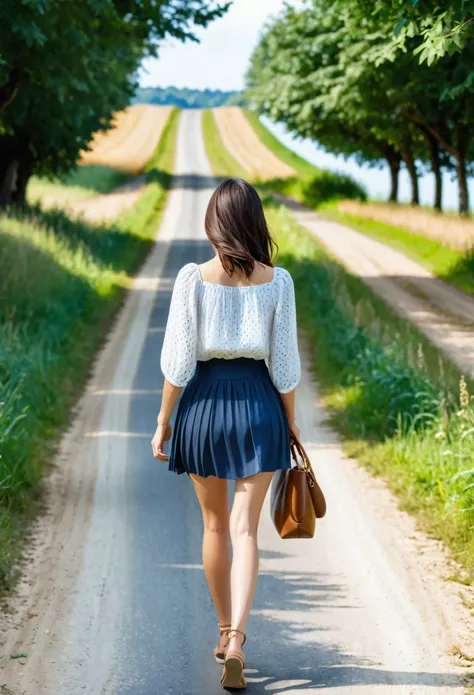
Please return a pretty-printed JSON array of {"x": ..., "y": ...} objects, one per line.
[
  {"x": 295, "y": 432},
  {"x": 162, "y": 435}
]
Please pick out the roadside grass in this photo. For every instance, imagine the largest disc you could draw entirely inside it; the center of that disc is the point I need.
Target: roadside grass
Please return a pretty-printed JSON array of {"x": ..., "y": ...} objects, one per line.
[
  {"x": 62, "y": 281},
  {"x": 279, "y": 150},
  {"x": 83, "y": 182},
  {"x": 402, "y": 408},
  {"x": 221, "y": 160},
  {"x": 394, "y": 398}
]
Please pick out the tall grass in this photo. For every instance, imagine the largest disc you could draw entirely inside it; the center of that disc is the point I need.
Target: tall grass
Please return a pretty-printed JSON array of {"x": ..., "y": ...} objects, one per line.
[
  {"x": 403, "y": 410},
  {"x": 81, "y": 183},
  {"x": 61, "y": 282}
]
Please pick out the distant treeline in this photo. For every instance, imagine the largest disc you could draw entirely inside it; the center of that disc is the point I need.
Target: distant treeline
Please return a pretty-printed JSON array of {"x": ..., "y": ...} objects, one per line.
[{"x": 188, "y": 98}]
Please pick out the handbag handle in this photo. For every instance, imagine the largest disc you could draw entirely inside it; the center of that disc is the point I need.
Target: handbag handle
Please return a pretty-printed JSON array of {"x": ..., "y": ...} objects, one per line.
[{"x": 301, "y": 458}]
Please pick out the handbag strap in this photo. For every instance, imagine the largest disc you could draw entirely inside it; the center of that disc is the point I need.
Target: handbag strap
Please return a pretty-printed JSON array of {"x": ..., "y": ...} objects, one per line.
[{"x": 301, "y": 458}]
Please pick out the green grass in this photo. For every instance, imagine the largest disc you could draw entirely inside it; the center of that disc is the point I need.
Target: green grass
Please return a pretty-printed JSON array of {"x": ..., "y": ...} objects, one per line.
[
  {"x": 399, "y": 414},
  {"x": 79, "y": 184},
  {"x": 453, "y": 266},
  {"x": 279, "y": 150},
  {"x": 61, "y": 283},
  {"x": 392, "y": 395},
  {"x": 222, "y": 162}
]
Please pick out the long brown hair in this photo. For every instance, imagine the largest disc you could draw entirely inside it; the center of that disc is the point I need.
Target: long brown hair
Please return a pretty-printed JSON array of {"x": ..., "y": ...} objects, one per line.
[{"x": 236, "y": 227}]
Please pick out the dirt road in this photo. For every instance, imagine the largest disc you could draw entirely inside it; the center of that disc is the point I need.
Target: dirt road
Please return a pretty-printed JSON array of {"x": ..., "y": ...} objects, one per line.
[
  {"x": 116, "y": 601},
  {"x": 443, "y": 313}
]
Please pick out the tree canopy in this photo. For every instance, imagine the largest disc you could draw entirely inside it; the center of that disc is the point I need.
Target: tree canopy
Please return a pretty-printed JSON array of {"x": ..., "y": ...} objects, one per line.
[
  {"x": 65, "y": 67},
  {"x": 318, "y": 71},
  {"x": 443, "y": 28}
]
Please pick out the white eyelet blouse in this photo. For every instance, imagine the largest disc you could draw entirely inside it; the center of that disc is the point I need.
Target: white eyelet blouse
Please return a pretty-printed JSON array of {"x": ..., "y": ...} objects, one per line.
[{"x": 207, "y": 320}]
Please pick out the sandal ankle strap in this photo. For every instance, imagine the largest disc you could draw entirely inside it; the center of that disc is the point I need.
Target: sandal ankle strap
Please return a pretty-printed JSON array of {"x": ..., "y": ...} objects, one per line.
[
  {"x": 224, "y": 628},
  {"x": 233, "y": 632}
]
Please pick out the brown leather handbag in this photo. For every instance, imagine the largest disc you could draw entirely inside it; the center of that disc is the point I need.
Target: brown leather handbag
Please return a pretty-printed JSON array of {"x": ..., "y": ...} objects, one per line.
[{"x": 296, "y": 498}]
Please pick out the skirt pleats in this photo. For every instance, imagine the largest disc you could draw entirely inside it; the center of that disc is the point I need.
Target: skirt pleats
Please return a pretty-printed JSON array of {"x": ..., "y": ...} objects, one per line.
[{"x": 230, "y": 422}]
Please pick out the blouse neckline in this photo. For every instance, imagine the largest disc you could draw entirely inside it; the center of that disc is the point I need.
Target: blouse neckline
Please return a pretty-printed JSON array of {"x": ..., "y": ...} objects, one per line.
[{"x": 236, "y": 287}]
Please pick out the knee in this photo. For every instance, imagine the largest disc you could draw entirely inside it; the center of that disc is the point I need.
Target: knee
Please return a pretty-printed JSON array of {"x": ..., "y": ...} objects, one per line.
[
  {"x": 215, "y": 525},
  {"x": 240, "y": 526}
]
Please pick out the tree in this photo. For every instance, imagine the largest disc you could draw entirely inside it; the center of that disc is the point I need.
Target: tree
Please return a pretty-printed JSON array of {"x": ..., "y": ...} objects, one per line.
[
  {"x": 289, "y": 77},
  {"x": 318, "y": 71},
  {"x": 65, "y": 67},
  {"x": 443, "y": 28}
]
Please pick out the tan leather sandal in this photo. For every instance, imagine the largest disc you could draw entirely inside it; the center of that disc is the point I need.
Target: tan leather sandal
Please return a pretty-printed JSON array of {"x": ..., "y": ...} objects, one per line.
[
  {"x": 234, "y": 664},
  {"x": 221, "y": 649}
]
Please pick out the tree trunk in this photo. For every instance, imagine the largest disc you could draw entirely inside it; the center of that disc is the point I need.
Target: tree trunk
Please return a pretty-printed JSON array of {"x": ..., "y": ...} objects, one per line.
[
  {"x": 9, "y": 89},
  {"x": 407, "y": 156},
  {"x": 393, "y": 159},
  {"x": 8, "y": 178},
  {"x": 462, "y": 183},
  {"x": 462, "y": 144},
  {"x": 25, "y": 170},
  {"x": 433, "y": 149}
]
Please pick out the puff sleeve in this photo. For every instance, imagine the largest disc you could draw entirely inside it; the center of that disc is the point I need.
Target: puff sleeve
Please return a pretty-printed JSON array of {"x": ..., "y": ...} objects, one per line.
[
  {"x": 178, "y": 355},
  {"x": 284, "y": 361}
]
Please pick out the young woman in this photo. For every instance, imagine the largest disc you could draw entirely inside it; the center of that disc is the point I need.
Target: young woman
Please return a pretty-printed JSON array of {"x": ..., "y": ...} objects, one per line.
[{"x": 229, "y": 318}]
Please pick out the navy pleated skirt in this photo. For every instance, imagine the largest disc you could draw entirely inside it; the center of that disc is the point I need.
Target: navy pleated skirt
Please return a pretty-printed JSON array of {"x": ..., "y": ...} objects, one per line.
[{"x": 230, "y": 422}]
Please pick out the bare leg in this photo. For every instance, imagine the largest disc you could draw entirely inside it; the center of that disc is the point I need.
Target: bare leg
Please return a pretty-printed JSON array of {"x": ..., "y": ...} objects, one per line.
[
  {"x": 249, "y": 497},
  {"x": 213, "y": 498}
]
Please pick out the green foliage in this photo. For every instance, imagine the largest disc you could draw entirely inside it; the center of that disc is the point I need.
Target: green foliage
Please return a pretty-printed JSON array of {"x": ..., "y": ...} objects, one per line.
[
  {"x": 66, "y": 67},
  {"x": 329, "y": 185},
  {"x": 317, "y": 70},
  {"x": 444, "y": 28},
  {"x": 188, "y": 98},
  {"x": 392, "y": 395},
  {"x": 61, "y": 281}
]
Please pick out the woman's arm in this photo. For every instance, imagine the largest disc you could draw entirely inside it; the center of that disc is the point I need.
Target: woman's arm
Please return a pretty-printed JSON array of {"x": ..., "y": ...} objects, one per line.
[
  {"x": 288, "y": 400},
  {"x": 163, "y": 431}
]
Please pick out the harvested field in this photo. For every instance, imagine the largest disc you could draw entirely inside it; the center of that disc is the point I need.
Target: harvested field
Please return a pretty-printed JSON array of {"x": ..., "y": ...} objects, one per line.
[
  {"x": 246, "y": 147},
  {"x": 129, "y": 145},
  {"x": 450, "y": 230}
]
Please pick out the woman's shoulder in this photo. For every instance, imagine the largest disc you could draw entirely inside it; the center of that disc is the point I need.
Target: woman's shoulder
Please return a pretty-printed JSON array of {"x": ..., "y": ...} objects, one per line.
[
  {"x": 282, "y": 277},
  {"x": 188, "y": 274}
]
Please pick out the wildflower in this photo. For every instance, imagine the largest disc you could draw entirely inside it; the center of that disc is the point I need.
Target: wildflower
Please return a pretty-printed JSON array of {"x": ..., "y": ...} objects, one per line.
[
  {"x": 420, "y": 357},
  {"x": 440, "y": 435},
  {"x": 463, "y": 397}
]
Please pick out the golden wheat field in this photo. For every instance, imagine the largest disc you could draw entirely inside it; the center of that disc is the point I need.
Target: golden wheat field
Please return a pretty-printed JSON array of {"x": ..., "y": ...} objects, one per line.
[
  {"x": 244, "y": 145},
  {"x": 451, "y": 230},
  {"x": 130, "y": 143}
]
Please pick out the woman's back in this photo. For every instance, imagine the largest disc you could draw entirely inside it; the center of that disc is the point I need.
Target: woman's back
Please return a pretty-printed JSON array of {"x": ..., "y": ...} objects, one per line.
[{"x": 209, "y": 320}]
